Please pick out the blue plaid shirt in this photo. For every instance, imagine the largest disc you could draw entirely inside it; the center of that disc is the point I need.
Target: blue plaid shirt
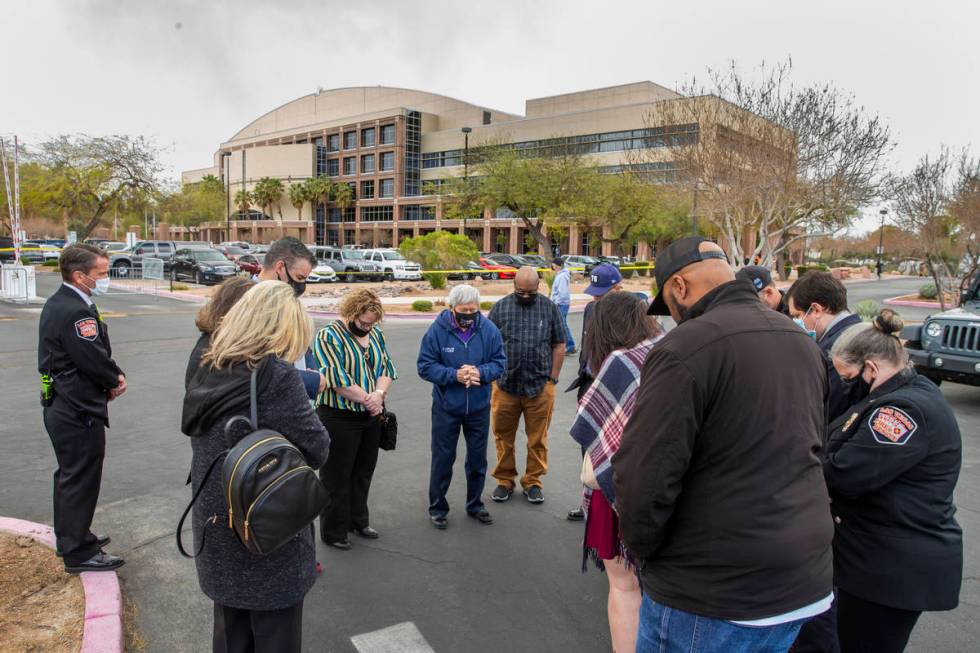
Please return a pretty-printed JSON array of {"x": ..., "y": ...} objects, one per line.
[{"x": 530, "y": 333}]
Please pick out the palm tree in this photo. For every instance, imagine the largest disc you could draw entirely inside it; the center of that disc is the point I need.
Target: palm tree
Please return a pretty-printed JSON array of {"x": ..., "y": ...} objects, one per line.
[
  {"x": 276, "y": 191},
  {"x": 300, "y": 194},
  {"x": 243, "y": 200},
  {"x": 267, "y": 192}
]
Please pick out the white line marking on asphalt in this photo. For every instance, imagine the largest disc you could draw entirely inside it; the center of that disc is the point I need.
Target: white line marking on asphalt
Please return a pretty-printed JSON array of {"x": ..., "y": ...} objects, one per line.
[{"x": 400, "y": 638}]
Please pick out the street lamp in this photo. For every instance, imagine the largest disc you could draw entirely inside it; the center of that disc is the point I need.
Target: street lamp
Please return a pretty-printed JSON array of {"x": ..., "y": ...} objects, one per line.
[
  {"x": 466, "y": 151},
  {"x": 881, "y": 241}
]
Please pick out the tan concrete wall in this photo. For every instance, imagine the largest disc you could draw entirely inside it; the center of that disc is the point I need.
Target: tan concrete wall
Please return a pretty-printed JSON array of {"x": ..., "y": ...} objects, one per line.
[
  {"x": 194, "y": 176},
  {"x": 600, "y": 98},
  {"x": 282, "y": 161}
]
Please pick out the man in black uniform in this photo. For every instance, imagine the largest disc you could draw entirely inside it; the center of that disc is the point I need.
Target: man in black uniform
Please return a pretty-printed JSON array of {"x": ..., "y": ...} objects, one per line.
[{"x": 78, "y": 379}]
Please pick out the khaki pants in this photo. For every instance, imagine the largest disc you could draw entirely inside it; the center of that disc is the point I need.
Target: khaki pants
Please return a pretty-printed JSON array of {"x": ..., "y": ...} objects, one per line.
[{"x": 505, "y": 413}]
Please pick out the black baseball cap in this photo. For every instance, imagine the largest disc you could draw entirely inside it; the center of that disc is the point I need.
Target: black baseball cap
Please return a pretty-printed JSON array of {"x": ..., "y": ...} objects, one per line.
[
  {"x": 675, "y": 257},
  {"x": 758, "y": 275}
]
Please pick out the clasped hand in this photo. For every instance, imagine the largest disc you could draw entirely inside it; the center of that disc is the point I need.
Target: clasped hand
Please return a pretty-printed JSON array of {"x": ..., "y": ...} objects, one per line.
[{"x": 468, "y": 375}]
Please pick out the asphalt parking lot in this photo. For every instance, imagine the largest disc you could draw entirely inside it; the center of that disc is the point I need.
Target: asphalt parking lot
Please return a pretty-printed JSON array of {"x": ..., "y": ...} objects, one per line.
[{"x": 515, "y": 585}]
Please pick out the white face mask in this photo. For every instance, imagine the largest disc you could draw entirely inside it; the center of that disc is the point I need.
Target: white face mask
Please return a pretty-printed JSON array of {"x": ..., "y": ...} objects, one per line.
[{"x": 101, "y": 286}]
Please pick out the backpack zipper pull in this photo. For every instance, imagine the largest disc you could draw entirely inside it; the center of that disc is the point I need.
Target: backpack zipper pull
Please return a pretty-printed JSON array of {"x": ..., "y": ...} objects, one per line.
[
  {"x": 231, "y": 523},
  {"x": 246, "y": 530}
]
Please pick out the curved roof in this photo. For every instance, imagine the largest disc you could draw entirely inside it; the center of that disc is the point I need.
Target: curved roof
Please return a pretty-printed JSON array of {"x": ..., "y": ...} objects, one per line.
[{"x": 340, "y": 103}]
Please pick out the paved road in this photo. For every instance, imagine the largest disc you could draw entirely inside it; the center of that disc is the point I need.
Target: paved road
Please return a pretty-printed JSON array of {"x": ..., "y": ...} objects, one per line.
[{"x": 512, "y": 586}]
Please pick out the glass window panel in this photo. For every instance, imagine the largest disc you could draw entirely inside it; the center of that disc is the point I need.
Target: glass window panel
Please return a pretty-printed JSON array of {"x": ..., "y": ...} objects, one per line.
[
  {"x": 387, "y": 160},
  {"x": 387, "y": 188},
  {"x": 367, "y": 163},
  {"x": 350, "y": 165},
  {"x": 333, "y": 142},
  {"x": 350, "y": 140},
  {"x": 387, "y": 134},
  {"x": 367, "y": 137}
]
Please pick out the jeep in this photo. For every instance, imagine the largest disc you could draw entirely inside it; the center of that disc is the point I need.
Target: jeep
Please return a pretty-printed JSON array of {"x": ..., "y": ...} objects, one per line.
[{"x": 946, "y": 347}]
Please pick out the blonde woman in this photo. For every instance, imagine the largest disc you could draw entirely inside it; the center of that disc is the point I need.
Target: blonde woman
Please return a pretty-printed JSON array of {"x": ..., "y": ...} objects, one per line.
[
  {"x": 353, "y": 356},
  {"x": 258, "y": 600}
]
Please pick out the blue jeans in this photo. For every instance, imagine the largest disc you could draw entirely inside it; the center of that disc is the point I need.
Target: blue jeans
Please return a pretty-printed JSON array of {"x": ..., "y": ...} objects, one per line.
[
  {"x": 445, "y": 436},
  {"x": 570, "y": 343},
  {"x": 668, "y": 630}
]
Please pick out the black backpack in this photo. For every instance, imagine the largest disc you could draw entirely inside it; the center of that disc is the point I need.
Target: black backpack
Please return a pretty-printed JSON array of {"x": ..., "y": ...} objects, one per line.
[{"x": 272, "y": 493}]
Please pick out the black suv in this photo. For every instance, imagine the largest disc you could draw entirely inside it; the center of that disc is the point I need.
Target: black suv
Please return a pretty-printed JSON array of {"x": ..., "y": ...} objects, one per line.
[
  {"x": 946, "y": 347},
  {"x": 203, "y": 266}
]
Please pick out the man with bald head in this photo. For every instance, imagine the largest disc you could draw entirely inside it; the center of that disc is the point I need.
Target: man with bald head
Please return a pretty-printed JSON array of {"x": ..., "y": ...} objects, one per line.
[
  {"x": 718, "y": 480},
  {"x": 534, "y": 336}
]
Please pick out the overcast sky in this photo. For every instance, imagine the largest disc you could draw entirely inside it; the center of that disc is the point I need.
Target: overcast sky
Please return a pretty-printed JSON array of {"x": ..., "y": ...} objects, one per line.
[{"x": 190, "y": 73}]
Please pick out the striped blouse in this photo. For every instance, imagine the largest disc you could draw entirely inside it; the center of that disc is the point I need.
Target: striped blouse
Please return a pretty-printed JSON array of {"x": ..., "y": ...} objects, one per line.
[{"x": 345, "y": 363}]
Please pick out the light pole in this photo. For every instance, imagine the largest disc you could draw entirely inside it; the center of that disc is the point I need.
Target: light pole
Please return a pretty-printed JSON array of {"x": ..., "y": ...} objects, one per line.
[
  {"x": 466, "y": 151},
  {"x": 881, "y": 241}
]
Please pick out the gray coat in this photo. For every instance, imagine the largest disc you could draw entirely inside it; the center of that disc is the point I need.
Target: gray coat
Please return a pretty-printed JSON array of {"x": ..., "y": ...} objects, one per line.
[{"x": 227, "y": 572}]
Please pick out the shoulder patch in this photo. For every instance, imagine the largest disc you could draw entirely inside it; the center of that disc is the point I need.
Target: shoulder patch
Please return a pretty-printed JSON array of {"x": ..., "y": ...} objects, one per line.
[
  {"x": 87, "y": 328},
  {"x": 891, "y": 425}
]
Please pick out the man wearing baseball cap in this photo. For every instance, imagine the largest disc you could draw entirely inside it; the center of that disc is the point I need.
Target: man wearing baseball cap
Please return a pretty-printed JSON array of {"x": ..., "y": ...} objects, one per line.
[
  {"x": 719, "y": 487},
  {"x": 761, "y": 278}
]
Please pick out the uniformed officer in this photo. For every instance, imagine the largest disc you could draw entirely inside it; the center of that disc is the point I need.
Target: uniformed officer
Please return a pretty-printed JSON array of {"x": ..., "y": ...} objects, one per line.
[
  {"x": 78, "y": 379},
  {"x": 891, "y": 467}
]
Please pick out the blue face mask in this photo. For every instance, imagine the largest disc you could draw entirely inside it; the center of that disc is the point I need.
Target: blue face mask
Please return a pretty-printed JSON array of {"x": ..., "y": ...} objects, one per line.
[{"x": 800, "y": 323}]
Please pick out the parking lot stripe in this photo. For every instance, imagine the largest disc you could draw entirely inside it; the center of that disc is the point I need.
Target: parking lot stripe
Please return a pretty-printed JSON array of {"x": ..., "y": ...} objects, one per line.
[{"x": 400, "y": 638}]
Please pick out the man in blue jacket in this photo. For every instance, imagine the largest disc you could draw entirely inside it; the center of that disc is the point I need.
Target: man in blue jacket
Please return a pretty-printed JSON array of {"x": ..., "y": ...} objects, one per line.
[{"x": 462, "y": 353}]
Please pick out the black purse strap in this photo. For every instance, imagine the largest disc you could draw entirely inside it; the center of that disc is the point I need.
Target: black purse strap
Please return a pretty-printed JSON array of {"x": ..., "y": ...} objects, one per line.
[
  {"x": 253, "y": 400},
  {"x": 197, "y": 493}
]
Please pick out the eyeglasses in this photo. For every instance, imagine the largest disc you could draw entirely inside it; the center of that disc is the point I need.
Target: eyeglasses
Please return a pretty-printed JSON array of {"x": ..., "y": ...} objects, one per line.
[{"x": 525, "y": 293}]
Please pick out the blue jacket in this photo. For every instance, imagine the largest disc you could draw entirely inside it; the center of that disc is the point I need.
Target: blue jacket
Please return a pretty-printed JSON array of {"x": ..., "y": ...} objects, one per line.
[{"x": 443, "y": 352}]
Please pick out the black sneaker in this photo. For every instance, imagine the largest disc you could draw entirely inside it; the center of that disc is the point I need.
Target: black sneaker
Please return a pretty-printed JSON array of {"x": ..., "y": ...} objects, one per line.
[
  {"x": 501, "y": 493},
  {"x": 534, "y": 494},
  {"x": 576, "y": 514},
  {"x": 481, "y": 516},
  {"x": 99, "y": 562},
  {"x": 439, "y": 522}
]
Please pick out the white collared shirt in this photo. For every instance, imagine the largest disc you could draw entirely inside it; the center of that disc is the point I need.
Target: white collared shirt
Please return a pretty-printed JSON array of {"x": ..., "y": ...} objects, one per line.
[{"x": 88, "y": 300}]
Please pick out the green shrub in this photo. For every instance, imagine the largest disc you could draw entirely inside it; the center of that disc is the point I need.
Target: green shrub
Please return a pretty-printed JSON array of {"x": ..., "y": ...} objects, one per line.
[
  {"x": 801, "y": 270},
  {"x": 787, "y": 270},
  {"x": 549, "y": 278},
  {"x": 642, "y": 270},
  {"x": 819, "y": 266},
  {"x": 653, "y": 288},
  {"x": 436, "y": 279},
  {"x": 51, "y": 263},
  {"x": 181, "y": 286},
  {"x": 422, "y": 305},
  {"x": 486, "y": 306},
  {"x": 867, "y": 309},
  {"x": 928, "y": 291}
]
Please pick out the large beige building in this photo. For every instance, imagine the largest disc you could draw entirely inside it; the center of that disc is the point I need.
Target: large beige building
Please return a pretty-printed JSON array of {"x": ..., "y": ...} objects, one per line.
[{"x": 393, "y": 146}]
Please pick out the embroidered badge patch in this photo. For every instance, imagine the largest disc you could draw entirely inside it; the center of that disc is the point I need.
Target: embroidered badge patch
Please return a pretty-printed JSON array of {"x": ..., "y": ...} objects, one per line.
[
  {"x": 87, "y": 329},
  {"x": 890, "y": 425}
]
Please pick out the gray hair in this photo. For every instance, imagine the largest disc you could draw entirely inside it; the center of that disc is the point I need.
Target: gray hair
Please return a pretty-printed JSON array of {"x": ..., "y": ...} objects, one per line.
[
  {"x": 878, "y": 340},
  {"x": 463, "y": 294}
]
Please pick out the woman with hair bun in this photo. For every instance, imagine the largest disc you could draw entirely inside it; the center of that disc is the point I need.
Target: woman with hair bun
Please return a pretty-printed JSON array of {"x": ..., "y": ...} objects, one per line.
[{"x": 892, "y": 463}]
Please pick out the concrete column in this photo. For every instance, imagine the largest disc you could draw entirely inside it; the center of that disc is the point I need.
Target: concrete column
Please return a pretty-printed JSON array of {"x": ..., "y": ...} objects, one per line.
[
  {"x": 462, "y": 228},
  {"x": 574, "y": 240},
  {"x": 394, "y": 236},
  {"x": 642, "y": 251},
  {"x": 607, "y": 248},
  {"x": 515, "y": 236},
  {"x": 487, "y": 244}
]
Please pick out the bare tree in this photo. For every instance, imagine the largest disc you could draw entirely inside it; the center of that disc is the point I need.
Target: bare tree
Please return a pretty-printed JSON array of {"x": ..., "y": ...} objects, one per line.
[
  {"x": 771, "y": 163},
  {"x": 965, "y": 210},
  {"x": 922, "y": 199}
]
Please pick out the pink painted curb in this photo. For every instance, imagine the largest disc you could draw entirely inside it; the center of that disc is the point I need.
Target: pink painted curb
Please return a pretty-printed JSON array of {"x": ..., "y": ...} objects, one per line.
[
  {"x": 895, "y": 301},
  {"x": 103, "y": 599}
]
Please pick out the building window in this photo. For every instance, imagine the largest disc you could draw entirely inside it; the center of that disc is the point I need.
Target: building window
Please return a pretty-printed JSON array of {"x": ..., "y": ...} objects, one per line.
[
  {"x": 486, "y": 117},
  {"x": 333, "y": 167},
  {"x": 367, "y": 164},
  {"x": 377, "y": 213},
  {"x": 318, "y": 141},
  {"x": 432, "y": 186},
  {"x": 350, "y": 140},
  {"x": 349, "y": 236},
  {"x": 387, "y": 161},
  {"x": 412, "y": 167},
  {"x": 333, "y": 215},
  {"x": 367, "y": 190},
  {"x": 353, "y": 189},
  {"x": 333, "y": 142},
  {"x": 387, "y": 188},
  {"x": 350, "y": 165},
  {"x": 387, "y": 134},
  {"x": 318, "y": 225},
  {"x": 412, "y": 212},
  {"x": 367, "y": 137},
  {"x": 350, "y": 214},
  {"x": 321, "y": 160},
  {"x": 333, "y": 237}
]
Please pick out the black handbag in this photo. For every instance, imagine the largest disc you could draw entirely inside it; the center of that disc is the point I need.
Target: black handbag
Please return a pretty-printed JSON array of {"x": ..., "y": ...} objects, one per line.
[
  {"x": 271, "y": 491},
  {"x": 389, "y": 430}
]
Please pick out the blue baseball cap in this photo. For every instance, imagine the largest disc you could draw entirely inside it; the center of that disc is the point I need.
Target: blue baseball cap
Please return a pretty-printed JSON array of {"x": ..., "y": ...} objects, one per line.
[{"x": 602, "y": 278}]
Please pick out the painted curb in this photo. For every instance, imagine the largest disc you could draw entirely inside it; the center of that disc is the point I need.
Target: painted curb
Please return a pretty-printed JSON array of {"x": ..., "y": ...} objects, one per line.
[
  {"x": 103, "y": 599},
  {"x": 895, "y": 301}
]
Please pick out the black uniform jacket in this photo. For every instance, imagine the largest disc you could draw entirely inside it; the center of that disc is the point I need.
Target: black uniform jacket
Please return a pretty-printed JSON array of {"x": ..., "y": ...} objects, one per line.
[
  {"x": 891, "y": 467},
  {"x": 73, "y": 347}
]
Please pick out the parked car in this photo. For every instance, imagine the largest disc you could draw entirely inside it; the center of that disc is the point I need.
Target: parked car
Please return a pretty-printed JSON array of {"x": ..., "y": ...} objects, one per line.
[
  {"x": 349, "y": 264},
  {"x": 580, "y": 263},
  {"x": 128, "y": 259},
  {"x": 250, "y": 263},
  {"x": 536, "y": 260},
  {"x": 34, "y": 252},
  {"x": 114, "y": 246},
  {"x": 946, "y": 346},
  {"x": 235, "y": 243},
  {"x": 611, "y": 260},
  {"x": 472, "y": 270},
  {"x": 57, "y": 242},
  {"x": 232, "y": 252},
  {"x": 394, "y": 265},
  {"x": 203, "y": 266},
  {"x": 498, "y": 271},
  {"x": 7, "y": 250},
  {"x": 510, "y": 260}
]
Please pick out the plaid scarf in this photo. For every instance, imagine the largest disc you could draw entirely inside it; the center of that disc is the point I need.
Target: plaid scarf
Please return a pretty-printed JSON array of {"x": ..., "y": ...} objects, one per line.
[{"x": 604, "y": 411}]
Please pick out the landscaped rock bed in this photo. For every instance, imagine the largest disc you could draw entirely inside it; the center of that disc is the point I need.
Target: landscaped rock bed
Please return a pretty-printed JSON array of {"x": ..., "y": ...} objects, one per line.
[{"x": 41, "y": 607}]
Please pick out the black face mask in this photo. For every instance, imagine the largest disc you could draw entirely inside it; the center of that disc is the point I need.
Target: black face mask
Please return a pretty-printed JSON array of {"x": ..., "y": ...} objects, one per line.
[
  {"x": 856, "y": 386},
  {"x": 299, "y": 287},
  {"x": 526, "y": 300},
  {"x": 356, "y": 330},
  {"x": 464, "y": 320}
]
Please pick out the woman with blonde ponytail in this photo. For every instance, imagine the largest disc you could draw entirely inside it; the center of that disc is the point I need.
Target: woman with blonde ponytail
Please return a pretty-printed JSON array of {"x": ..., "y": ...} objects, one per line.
[{"x": 892, "y": 463}]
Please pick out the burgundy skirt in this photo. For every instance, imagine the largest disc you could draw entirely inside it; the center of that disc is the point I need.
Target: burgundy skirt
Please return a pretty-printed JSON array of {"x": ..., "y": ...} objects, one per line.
[{"x": 603, "y": 541}]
